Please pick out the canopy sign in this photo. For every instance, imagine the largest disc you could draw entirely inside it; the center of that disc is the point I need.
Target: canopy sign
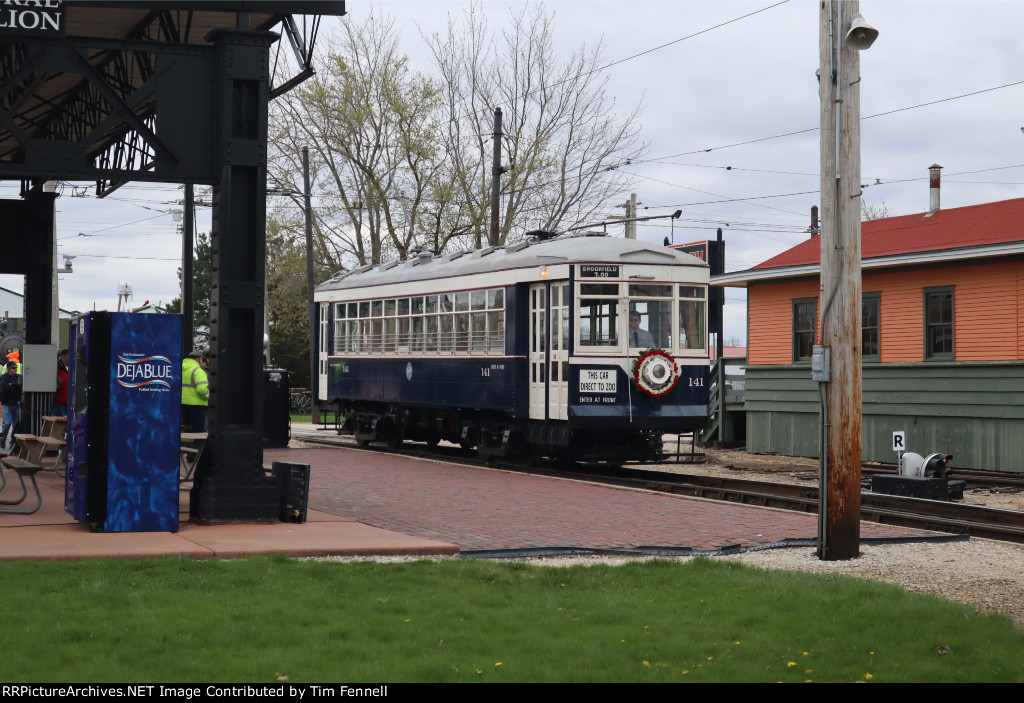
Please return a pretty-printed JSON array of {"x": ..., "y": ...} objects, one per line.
[{"x": 41, "y": 18}]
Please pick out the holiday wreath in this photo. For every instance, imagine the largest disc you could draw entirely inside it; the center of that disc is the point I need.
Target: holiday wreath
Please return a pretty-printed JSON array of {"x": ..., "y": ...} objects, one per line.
[{"x": 655, "y": 372}]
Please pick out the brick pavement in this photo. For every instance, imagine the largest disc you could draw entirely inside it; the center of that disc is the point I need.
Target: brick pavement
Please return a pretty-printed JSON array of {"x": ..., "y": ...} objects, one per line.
[{"x": 479, "y": 508}]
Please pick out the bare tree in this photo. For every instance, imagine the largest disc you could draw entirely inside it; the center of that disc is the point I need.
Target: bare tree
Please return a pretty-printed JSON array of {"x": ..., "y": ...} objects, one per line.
[
  {"x": 377, "y": 171},
  {"x": 874, "y": 212},
  {"x": 563, "y": 141}
]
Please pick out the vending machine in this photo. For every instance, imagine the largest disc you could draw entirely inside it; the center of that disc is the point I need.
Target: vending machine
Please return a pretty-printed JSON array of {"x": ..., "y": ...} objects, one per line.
[{"x": 124, "y": 406}]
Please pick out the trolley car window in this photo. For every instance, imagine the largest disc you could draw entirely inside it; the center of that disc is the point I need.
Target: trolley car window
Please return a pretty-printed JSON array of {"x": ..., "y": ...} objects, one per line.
[
  {"x": 598, "y": 322},
  {"x": 466, "y": 321},
  {"x": 692, "y": 306},
  {"x": 599, "y": 305},
  {"x": 652, "y": 304}
]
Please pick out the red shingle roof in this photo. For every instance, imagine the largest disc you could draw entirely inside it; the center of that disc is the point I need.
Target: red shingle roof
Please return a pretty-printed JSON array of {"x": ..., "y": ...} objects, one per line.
[{"x": 971, "y": 226}]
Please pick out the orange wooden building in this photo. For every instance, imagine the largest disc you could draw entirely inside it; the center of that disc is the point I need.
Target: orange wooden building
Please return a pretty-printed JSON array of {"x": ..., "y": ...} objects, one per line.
[{"x": 942, "y": 338}]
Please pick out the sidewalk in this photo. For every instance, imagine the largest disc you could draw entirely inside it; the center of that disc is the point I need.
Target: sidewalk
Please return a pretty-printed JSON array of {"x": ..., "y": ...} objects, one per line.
[{"x": 51, "y": 533}]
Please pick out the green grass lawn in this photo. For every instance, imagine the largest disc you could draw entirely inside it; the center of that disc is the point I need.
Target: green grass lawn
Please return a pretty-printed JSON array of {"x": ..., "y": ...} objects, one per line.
[{"x": 255, "y": 619}]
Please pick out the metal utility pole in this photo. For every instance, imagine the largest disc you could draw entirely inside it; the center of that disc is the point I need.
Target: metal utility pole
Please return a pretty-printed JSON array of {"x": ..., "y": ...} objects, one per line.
[
  {"x": 840, "y": 292},
  {"x": 314, "y": 332},
  {"x": 496, "y": 171},
  {"x": 188, "y": 307}
]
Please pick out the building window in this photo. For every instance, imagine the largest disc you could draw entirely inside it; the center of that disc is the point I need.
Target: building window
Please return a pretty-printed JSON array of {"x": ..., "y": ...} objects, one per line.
[
  {"x": 870, "y": 326},
  {"x": 805, "y": 320},
  {"x": 938, "y": 323}
]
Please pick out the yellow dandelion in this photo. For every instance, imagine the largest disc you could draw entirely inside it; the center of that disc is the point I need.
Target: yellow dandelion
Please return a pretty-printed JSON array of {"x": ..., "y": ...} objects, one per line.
[
  {"x": 562, "y": 586},
  {"x": 646, "y": 627},
  {"x": 868, "y": 676},
  {"x": 805, "y": 654},
  {"x": 479, "y": 671},
  {"x": 497, "y": 663},
  {"x": 686, "y": 671},
  {"x": 646, "y": 663},
  {"x": 809, "y": 671},
  {"x": 710, "y": 658},
  {"x": 808, "y": 681},
  {"x": 623, "y": 641},
  {"x": 736, "y": 642},
  {"x": 791, "y": 664},
  {"x": 408, "y": 620}
]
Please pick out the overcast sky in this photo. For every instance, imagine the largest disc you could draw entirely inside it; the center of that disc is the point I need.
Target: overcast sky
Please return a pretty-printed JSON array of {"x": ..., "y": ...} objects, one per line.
[{"x": 749, "y": 79}]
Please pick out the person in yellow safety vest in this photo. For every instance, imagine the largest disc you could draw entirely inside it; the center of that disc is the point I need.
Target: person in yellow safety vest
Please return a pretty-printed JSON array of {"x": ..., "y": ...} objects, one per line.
[{"x": 195, "y": 392}]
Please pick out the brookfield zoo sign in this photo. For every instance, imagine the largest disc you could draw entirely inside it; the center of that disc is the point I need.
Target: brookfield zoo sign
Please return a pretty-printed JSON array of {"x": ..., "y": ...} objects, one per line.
[{"x": 35, "y": 17}]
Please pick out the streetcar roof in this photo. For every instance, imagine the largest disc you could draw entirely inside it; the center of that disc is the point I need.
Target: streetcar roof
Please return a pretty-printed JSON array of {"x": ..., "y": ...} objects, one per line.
[{"x": 584, "y": 248}]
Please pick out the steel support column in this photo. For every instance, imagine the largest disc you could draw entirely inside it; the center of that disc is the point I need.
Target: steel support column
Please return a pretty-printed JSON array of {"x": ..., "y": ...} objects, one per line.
[
  {"x": 38, "y": 233},
  {"x": 231, "y": 485}
]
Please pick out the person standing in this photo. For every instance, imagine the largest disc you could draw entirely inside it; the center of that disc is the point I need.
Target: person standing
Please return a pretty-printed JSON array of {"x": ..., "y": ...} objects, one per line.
[
  {"x": 15, "y": 356},
  {"x": 195, "y": 392},
  {"x": 10, "y": 396},
  {"x": 60, "y": 399}
]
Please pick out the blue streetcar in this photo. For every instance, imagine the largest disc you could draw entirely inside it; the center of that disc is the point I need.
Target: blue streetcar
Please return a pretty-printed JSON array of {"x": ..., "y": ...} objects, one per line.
[{"x": 585, "y": 347}]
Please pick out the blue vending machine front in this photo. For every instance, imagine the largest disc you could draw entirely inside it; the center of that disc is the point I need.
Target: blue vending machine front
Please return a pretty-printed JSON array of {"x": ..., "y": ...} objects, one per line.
[{"x": 124, "y": 422}]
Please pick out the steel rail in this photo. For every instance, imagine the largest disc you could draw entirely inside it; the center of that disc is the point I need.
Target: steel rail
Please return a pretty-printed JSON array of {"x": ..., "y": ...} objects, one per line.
[{"x": 939, "y": 516}]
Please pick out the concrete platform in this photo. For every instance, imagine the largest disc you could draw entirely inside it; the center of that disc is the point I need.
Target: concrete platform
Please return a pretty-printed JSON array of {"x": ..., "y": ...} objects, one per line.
[{"x": 51, "y": 533}]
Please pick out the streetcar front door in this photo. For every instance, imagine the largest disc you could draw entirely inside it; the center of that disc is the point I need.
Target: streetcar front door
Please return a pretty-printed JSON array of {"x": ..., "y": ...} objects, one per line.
[
  {"x": 558, "y": 354},
  {"x": 549, "y": 351},
  {"x": 538, "y": 351}
]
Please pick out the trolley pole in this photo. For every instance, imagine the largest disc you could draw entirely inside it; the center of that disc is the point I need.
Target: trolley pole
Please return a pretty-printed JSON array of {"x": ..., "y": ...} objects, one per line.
[{"x": 840, "y": 291}]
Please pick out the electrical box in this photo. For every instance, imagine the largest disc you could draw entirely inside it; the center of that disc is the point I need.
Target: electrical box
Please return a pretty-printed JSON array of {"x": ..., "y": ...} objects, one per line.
[{"x": 821, "y": 363}]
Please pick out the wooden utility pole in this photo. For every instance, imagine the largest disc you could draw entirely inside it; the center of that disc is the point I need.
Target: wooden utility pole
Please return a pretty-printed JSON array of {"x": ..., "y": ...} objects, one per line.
[
  {"x": 840, "y": 291},
  {"x": 496, "y": 171}
]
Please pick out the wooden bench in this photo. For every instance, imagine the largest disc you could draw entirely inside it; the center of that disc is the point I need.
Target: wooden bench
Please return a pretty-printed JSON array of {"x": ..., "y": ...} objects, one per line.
[
  {"x": 189, "y": 455},
  {"x": 54, "y": 426},
  {"x": 30, "y": 448},
  {"x": 22, "y": 468},
  {"x": 53, "y": 435}
]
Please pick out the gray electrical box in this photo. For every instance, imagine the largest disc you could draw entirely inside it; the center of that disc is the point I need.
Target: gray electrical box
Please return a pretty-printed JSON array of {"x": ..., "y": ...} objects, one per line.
[
  {"x": 40, "y": 368},
  {"x": 821, "y": 363}
]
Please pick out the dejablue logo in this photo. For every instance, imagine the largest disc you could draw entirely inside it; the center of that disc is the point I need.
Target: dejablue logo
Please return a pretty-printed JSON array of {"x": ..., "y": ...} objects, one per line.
[{"x": 151, "y": 373}]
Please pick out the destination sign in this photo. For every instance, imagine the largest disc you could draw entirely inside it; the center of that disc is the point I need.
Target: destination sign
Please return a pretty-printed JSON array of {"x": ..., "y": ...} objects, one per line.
[
  {"x": 598, "y": 271},
  {"x": 597, "y": 381}
]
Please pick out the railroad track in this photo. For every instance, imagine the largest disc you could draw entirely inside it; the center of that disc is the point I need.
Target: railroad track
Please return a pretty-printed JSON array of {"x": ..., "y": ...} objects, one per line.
[{"x": 939, "y": 516}]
